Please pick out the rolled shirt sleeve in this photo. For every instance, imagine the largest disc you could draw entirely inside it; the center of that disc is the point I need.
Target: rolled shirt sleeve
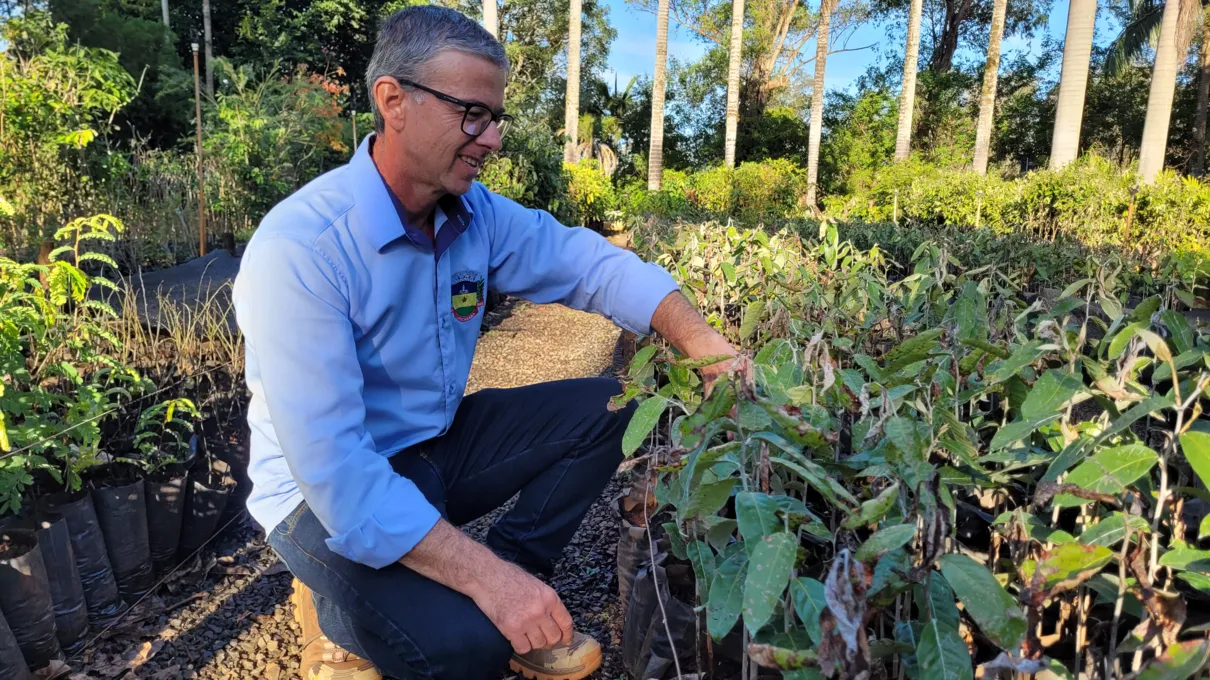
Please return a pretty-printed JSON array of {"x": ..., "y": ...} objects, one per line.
[
  {"x": 535, "y": 257},
  {"x": 292, "y": 305}
]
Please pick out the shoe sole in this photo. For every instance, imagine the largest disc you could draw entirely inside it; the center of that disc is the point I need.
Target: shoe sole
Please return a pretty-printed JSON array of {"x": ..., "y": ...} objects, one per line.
[{"x": 591, "y": 664}]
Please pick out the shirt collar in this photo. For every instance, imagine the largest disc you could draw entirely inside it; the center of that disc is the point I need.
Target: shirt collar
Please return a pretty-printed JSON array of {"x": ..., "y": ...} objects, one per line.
[{"x": 386, "y": 222}]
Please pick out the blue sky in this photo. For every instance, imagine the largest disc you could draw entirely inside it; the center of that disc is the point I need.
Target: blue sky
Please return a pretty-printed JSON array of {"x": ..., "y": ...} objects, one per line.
[{"x": 633, "y": 51}]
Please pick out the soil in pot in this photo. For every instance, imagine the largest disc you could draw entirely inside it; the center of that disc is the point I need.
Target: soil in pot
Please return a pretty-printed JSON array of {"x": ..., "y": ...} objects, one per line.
[
  {"x": 25, "y": 597},
  {"x": 88, "y": 550},
  {"x": 66, "y": 592},
  {"x": 12, "y": 662},
  {"x": 165, "y": 496},
  {"x": 122, "y": 513},
  {"x": 208, "y": 494}
]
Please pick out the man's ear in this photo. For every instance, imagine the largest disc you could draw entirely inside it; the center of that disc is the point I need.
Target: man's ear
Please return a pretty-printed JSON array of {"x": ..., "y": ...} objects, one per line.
[{"x": 390, "y": 98}]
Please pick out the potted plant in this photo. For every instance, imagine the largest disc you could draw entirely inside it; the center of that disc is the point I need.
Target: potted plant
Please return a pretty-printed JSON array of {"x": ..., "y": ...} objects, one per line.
[{"x": 163, "y": 441}]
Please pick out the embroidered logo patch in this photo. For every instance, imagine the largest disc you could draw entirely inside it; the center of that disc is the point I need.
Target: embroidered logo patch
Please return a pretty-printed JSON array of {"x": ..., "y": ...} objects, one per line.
[{"x": 468, "y": 294}]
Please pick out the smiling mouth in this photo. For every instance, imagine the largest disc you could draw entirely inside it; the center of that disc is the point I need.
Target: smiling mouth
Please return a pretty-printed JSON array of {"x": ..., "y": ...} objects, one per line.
[{"x": 475, "y": 163}]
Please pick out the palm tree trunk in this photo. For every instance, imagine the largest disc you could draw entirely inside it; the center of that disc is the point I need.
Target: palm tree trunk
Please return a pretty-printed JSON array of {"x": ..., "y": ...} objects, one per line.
[
  {"x": 987, "y": 101},
  {"x": 571, "y": 114},
  {"x": 490, "y": 20},
  {"x": 1073, "y": 81},
  {"x": 907, "y": 98},
  {"x": 1159, "y": 100},
  {"x": 821, "y": 61},
  {"x": 655, "y": 157},
  {"x": 737, "y": 48},
  {"x": 164, "y": 9},
  {"x": 209, "y": 53},
  {"x": 1203, "y": 99}
]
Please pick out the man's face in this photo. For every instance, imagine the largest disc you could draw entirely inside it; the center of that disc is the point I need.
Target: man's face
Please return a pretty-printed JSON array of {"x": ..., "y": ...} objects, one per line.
[{"x": 436, "y": 150}]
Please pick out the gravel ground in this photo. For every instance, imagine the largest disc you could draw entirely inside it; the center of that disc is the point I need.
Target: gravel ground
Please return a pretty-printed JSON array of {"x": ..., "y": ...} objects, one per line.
[{"x": 227, "y": 614}]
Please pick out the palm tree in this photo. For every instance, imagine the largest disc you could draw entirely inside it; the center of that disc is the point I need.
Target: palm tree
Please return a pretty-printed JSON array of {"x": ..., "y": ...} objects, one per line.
[
  {"x": 987, "y": 100},
  {"x": 737, "y": 48},
  {"x": 209, "y": 52},
  {"x": 907, "y": 98},
  {"x": 655, "y": 157},
  {"x": 821, "y": 60},
  {"x": 1073, "y": 81},
  {"x": 571, "y": 112},
  {"x": 1143, "y": 31},
  {"x": 1159, "y": 100},
  {"x": 490, "y": 22}
]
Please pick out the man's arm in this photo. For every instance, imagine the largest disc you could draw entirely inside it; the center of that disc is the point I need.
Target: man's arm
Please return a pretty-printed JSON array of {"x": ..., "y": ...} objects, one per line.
[{"x": 680, "y": 323}]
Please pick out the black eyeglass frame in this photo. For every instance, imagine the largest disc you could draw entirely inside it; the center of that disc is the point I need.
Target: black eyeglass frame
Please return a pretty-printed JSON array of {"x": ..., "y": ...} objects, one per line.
[{"x": 502, "y": 120}]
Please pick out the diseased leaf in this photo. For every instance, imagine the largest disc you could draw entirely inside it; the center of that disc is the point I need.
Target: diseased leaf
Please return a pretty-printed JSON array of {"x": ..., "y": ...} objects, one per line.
[
  {"x": 1180, "y": 661},
  {"x": 884, "y": 541},
  {"x": 703, "y": 560},
  {"x": 1050, "y": 393},
  {"x": 1069, "y": 565},
  {"x": 642, "y": 423},
  {"x": 726, "y": 595},
  {"x": 706, "y": 499},
  {"x": 757, "y": 515},
  {"x": 809, "y": 603},
  {"x": 985, "y": 600},
  {"x": 908, "y": 632},
  {"x": 1111, "y": 307},
  {"x": 1119, "y": 342},
  {"x": 942, "y": 655},
  {"x": 874, "y": 509},
  {"x": 768, "y": 575},
  {"x": 641, "y": 359}
]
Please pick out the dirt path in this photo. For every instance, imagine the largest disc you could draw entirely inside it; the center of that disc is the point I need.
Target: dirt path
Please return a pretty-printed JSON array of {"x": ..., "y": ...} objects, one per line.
[{"x": 229, "y": 617}]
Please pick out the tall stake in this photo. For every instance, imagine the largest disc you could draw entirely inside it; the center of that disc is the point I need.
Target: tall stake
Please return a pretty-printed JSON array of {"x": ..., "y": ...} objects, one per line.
[
  {"x": 201, "y": 185},
  {"x": 209, "y": 53}
]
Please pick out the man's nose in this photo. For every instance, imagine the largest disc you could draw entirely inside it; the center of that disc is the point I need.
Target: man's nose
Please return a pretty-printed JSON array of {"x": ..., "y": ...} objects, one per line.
[{"x": 491, "y": 137}]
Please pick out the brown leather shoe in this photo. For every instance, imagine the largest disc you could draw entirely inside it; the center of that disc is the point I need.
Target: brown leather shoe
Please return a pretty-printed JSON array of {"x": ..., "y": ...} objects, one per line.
[
  {"x": 571, "y": 662},
  {"x": 321, "y": 659}
]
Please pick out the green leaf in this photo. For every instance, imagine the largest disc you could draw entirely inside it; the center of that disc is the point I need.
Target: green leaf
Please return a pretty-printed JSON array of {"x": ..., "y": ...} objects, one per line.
[
  {"x": 905, "y": 433},
  {"x": 1178, "y": 327},
  {"x": 809, "y": 602},
  {"x": 985, "y": 600},
  {"x": 726, "y": 595},
  {"x": 1122, "y": 339},
  {"x": 884, "y": 541},
  {"x": 1199, "y": 581},
  {"x": 720, "y": 530},
  {"x": 1204, "y": 529},
  {"x": 874, "y": 509},
  {"x": 938, "y": 601},
  {"x": 908, "y": 632},
  {"x": 971, "y": 312},
  {"x": 1145, "y": 309},
  {"x": 757, "y": 515},
  {"x": 1149, "y": 405},
  {"x": 819, "y": 480},
  {"x": 642, "y": 423},
  {"x": 1110, "y": 305},
  {"x": 706, "y": 499},
  {"x": 1196, "y": 447},
  {"x": 1022, "y": 356},
  {"x": 1109, "y": 471},
  {"x": 942, "y": 655},
  {"x": 1070, "y": 564},
  {"x": 1187, "y": 559},
  {"x": 1054, "y": 389},
  {"x": 1180, "y": 661},
  {"x": 1074, "y": 287},
  {"x": 1018, "y": 430},
  {"x": 1112, "y": 530},
  {"x": 752, "y": 315},
  {"x": 703, "y": 560},
  {"x": 768, "y": 575},
  {"x": 641, "y": 359}
]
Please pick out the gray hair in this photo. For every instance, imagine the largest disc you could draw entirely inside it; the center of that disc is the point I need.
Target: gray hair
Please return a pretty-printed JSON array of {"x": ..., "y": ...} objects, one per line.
[{"x": 411, "y": 37}]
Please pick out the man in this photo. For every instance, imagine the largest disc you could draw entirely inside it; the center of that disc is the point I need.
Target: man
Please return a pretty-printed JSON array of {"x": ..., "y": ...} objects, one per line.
[{"x": 360, "y": 299}]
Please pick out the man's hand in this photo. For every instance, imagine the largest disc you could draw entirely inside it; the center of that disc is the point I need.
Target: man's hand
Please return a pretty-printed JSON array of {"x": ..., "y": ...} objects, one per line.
[
  {"x": 526, "y": 611},
  {"x": 683, "y": 326}
]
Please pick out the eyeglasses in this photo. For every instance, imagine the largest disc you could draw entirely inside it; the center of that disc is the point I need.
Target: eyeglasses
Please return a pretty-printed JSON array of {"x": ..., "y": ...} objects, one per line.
[{"x": 475, "y": 117}]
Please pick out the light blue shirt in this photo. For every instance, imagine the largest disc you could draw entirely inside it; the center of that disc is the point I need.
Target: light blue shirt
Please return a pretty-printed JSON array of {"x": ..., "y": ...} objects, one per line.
[{"x": 359, "y": 334}]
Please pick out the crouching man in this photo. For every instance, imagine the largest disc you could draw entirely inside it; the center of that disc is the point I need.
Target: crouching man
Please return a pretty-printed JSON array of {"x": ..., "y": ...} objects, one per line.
[{"x": 360, "y": 299}]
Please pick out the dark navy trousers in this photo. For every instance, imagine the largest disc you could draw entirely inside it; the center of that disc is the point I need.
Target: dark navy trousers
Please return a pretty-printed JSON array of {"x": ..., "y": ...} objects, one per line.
[{"x": 555, "y": 444}]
